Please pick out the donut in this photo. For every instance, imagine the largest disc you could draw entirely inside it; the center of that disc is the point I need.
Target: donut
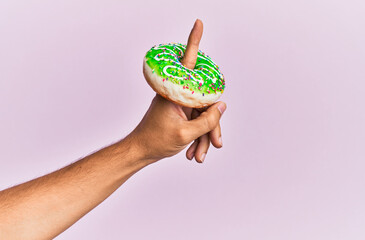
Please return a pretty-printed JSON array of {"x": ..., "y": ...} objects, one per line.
[{"x": 195, "y": 88}]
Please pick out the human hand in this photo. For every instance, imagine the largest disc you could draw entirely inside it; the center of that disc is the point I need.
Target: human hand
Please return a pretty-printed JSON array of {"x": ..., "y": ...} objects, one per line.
[{"x": 167, "y": 128}]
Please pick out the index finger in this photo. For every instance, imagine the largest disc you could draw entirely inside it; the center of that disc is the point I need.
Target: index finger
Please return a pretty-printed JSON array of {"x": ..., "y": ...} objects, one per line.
[{"x": 192, "y": 48}]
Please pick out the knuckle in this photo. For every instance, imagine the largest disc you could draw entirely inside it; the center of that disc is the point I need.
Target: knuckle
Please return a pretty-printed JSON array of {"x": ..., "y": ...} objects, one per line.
[
  {"x": 181, "y": 135},
  {"x": 209, "y": 121}
]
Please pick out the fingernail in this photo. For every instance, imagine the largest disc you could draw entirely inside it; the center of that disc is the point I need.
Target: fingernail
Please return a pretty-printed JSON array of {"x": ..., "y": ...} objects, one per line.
[
  {"x": 222, "y": 107},
  {"x": 220, "y": 141},
  {"x": 202, "y": 157},
  {"x": 191, "y": 155}
]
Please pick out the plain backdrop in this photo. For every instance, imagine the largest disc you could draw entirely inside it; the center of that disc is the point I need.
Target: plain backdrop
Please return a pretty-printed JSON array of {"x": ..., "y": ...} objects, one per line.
[{"x": 292, "y": 165}]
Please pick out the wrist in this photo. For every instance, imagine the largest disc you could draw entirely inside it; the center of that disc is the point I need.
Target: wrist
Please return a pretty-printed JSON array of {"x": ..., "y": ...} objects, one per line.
[{"x": 138, "y": 157}]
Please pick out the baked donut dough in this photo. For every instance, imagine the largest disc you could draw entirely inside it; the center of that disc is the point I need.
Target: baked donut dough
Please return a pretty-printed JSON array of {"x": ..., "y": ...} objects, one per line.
[{"x": 195, "y": 88}]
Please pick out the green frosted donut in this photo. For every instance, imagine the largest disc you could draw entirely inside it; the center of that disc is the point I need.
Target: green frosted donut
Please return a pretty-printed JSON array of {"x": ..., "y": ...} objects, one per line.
[{"x": 199, "y": 87}]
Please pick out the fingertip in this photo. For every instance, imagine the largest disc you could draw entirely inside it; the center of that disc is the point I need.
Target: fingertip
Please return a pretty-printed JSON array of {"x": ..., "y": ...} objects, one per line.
[
  {"x": 222, "y": 106},
  {"x": 217, "y": 145},
  {"x": 191, "y": 150},
  {"x": 189, "y": 156},
  {"x": 202, "y": 148},
  {"x": 198, "y": 22},
  {"x": 195, "y": 36},
  {"x": 220, "y": 143},
  {"x": 200, "y": 158}
]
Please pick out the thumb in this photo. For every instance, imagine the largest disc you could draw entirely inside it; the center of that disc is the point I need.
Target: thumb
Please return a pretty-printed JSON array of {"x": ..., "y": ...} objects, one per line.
[{"x": 207, "y": 120}]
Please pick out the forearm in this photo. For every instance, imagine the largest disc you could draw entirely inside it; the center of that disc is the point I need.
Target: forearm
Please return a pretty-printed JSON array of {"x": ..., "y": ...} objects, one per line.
[{"x": 46, "y": 206}]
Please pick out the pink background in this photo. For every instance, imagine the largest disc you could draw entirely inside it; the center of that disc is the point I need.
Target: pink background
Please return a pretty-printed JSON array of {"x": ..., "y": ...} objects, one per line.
[{"x": 292, "y": 165}]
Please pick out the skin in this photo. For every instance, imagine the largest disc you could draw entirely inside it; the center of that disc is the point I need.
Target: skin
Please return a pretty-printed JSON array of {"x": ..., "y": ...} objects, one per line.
[
  {"x": 200, "y": 146},
  {"x": 45, "y": 207}
]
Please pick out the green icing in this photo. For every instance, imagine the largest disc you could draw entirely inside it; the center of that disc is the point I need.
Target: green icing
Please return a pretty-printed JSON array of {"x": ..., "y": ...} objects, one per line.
[{"x": 205, "y": 78}]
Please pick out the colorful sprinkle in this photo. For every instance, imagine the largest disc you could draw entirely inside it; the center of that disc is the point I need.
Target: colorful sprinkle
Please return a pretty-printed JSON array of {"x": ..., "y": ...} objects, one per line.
[{"x": 165, "y": 59}]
